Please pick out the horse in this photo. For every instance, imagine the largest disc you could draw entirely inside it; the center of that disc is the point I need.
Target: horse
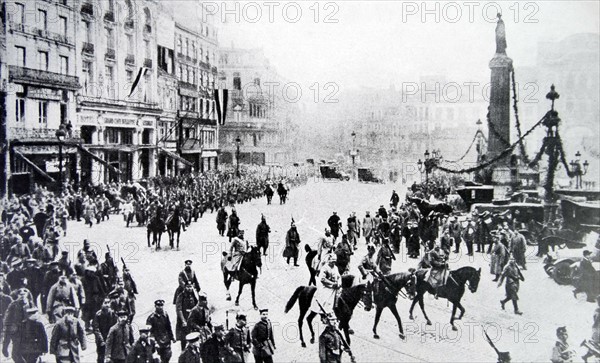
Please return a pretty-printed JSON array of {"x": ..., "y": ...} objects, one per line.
[
  {"x": 174, "y": 224},
  {"x": 310, "y": 256},
  {"x": 282, "y": 192},
  {"x": 453, "y": 290},
  {"x": 247, "y": 274},
  {"x": 346, "y": 302},
  {"x": 269, "y": 193},
  {"x": 425, "y": 207},
  {"x": 386, "y": 296},
  {"x": 156, "y": 227}
]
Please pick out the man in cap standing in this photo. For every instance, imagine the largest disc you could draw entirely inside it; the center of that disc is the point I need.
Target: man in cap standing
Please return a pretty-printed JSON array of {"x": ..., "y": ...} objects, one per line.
[
  {"x": 237, "y": 340},
  {"x": 119, "y": 340},
  {"x": 143, "y": 348},
  {"x": 67, "y": 336},
  {"x": 104, "y": 319},
  {"x": 588, "y": 281},
  {"x": 368, "y": 224},
  {"x": 161, "y": 331},
  {"x": 214, "y": 350},
  {"x": 262, "y": 339},
  {"x": 330, "y": 283},
  {"x": 334, "y": 225},
  {"x": 191, "y": 353},
  {"x": 513, "y": 275},
  {"x": 184, "y": 303},
  {"x": 187, "y": 275},
  {"x": 562, "y": 352},
  {"x": 262, "y": 235},
  {"x": 61, "y": 295},
  {"x": 330, "y": 342},
  {"x": 292, "y": 241},
  {"x": 34, "y": 338},
  {"x": 199, "y": 319}
]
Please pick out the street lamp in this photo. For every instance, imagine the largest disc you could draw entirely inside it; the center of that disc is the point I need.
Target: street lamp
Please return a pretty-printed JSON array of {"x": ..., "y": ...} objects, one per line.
[
  {"x": 237, "y": 156},
  {"x": 578, "y": 171},
  {"x": 60, "y": 135}
]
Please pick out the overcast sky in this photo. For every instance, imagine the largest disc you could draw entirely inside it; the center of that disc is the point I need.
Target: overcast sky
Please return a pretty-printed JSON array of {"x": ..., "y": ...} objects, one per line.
[{"x": 375, "y": 43}]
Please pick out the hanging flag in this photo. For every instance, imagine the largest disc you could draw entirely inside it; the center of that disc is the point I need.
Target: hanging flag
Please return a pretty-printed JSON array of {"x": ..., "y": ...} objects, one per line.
[
  {"x": 142, "y": 71},
  {"x": 221, "y": 96}
]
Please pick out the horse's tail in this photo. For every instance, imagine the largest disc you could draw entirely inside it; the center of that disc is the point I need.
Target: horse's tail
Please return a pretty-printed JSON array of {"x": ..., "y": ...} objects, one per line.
[{"x": 290, "y": 304}]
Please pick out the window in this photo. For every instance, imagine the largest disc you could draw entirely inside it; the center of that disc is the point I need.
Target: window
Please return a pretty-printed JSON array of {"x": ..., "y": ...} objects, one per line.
[
  {"x": 88, "y": 75},
  {"x": 19, "y": 16},
  {"x": 194, "y": 54},
  {"x": 237, "y": 83},
  {"x": 112, "y": 135},
  {"x": 21, "y": 56},
  {"x": 87, "y": 27},
  {"x": 187, "y": 47},
  {"x": 43, "y": 112},
  {"x": 63, "y": 113},
  {"x": 193, "y": 77},
  {"x": 110, "y": 40},
  {"x": 43, "y": 61},
  {"x": 129, "y": 75},
  {"x": 129, "y": 44},
  {"x": 148, "y": 83},
  {"x": 109, "y": 75},
  {"x": 147, "y": 48},
  {"x": 42, "y": 19},
  {"x": 64, "y": 65},
  {"x": 20, "y": 110},
  {"x": 179, "y": 44},
  {"x": 179, "y": 73},
  {"x": 63, "y": 25}
]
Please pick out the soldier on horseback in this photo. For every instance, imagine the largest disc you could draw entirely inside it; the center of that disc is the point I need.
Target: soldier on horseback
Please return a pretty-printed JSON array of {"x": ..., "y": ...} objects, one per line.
[
  {"x": 325, "y": 249},
  {"x": 368, "y": 268},
  {"x": 436, "y": 261},
  {"x": 236, "y": 253},
  {"x": 327, "y": 292}
]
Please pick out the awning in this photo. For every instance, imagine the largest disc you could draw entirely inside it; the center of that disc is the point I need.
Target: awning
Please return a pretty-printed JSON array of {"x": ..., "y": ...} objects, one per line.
[
  {"x": 98, "y": 159},
  {"x": 209, "y": 154},
  {"x": 176, "y": 157},
  {"x": 35, "y": 167}
]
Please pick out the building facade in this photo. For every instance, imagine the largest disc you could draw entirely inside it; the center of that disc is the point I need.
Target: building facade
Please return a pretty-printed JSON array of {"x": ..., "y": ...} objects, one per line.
[
  {"x": 255, "y": 116},
  {"x": 39, "y": 83}
]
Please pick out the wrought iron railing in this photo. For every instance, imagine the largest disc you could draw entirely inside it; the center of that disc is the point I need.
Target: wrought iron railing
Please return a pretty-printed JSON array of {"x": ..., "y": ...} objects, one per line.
[
  {"x": 40, "y": 33},
  {"x": 23, "y": 133},
  {"x": 34, "y": 76}
]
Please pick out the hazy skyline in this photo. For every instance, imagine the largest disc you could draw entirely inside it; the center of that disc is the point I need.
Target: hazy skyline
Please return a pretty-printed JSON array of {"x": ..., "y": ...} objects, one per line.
[{"x": 378, "y": 43}]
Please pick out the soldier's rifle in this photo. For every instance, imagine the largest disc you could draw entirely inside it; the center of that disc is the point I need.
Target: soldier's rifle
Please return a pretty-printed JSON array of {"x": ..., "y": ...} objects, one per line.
[{"x": 339, "y": 333}]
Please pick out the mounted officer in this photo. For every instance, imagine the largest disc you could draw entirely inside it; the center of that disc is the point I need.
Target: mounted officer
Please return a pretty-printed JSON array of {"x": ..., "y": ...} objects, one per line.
[{"x": 436, "y": 261}]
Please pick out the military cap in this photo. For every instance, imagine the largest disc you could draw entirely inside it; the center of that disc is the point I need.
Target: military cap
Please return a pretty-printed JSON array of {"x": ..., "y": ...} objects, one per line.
[
  {"x": 16, "y": 262},
  {"x": 31, "y": 260},
  {"x": 219, "y": 327},
  {"x": 263, "y": 311},
  {"x": 32, "y": 310},
  {"x": 192, "y": 337},
  {"x": 561, "y": 330},
  {"x": 240, "y": 316},
  {"x": 202, "y": 296},
  {"x": 159, "y": 303},
  {"x": 122, "y": 313},
  {"x": 587, "y": 252},
  {"x": 145, "y": 329},
  {"x": 188, "y": 262},
  {"x": 69, "y": 309}
]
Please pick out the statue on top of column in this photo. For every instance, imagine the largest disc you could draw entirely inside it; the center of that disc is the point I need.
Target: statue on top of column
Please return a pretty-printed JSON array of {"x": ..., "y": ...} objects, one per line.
[{"x": 500, "y": 36}]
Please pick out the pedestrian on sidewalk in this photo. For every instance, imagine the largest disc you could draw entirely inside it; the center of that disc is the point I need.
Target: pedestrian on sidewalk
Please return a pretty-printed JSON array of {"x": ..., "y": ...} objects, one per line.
[{"x": 512, "y": 275}]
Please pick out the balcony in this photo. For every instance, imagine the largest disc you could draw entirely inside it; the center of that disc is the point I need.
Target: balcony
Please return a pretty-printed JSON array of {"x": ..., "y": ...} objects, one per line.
[
  {"x": 110, "y": 54},
  {"x": 43, "y": 78},
  {"x": 189, "y": 86},
  {"x": 87, "y": 9},
  {"x": 205, "y": 65},
  {"x": 148, "y": 63},
  {"x": 87, "y": 48},
  {"x": 39, "y": 134},
  {"x": 130, "y": 59},
  {"x": 109, "y": 16},
  {"x": 90, "y": 101},
  {"x": 40, "y": 33}
]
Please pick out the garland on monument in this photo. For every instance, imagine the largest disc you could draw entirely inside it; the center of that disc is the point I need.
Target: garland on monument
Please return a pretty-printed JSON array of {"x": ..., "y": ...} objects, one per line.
[
  {"x": 469, "y": 149},
  {"x": 502, "y": 155},
  {"x": 518, "y": 123}
]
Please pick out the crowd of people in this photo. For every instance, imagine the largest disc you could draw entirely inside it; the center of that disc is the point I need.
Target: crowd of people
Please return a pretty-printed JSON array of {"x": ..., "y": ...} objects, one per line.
[{"x": 39, "y": 282}]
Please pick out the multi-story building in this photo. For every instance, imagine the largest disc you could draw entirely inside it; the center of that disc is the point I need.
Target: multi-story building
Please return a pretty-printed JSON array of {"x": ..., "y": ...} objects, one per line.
[
  {"x": 39, "y": 81},
  {"x": 255, "y": 116},
  {"x": 116, "y": 46}
]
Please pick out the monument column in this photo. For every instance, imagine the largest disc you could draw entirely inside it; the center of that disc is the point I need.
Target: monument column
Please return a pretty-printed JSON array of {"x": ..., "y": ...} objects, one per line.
[{"x": 499, "y": 109}]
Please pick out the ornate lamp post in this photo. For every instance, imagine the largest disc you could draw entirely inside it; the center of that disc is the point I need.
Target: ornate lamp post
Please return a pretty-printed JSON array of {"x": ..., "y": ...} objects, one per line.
[
  {"x": 60, "y": 135},
  {"x": 578, "y": 171},
  {"x": 237, "y": 156},
  {"x": 429, "y": 163},
  {"x": 353, "y": 152}
]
